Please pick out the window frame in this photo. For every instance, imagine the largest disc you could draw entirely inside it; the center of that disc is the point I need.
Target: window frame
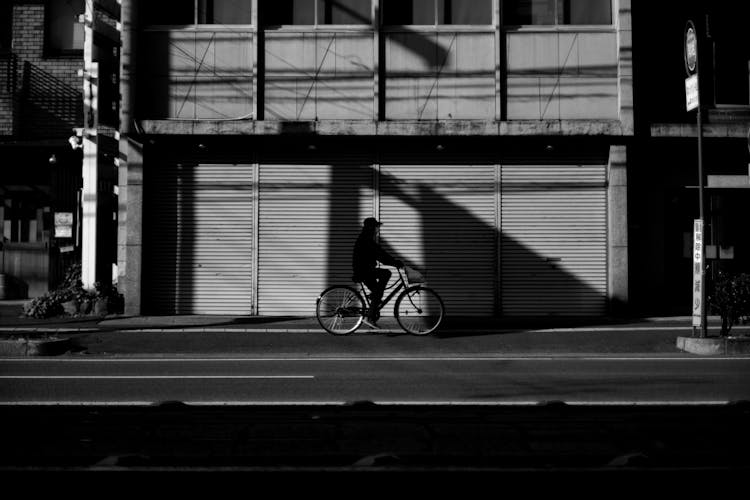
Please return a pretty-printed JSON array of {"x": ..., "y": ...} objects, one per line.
[
  {"x": 322, "y": 27},
  {"x": 53, "y": 52},
  {"x": 561, "y": 27},
  {"x": 438, "y": 26},
  {"x": 6, "y": 12},
  {"x": 195, "y": 25}
]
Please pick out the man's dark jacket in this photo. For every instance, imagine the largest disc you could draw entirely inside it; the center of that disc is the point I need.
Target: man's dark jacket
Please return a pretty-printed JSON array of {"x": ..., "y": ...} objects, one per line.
[{"x": 366, "y": 255}]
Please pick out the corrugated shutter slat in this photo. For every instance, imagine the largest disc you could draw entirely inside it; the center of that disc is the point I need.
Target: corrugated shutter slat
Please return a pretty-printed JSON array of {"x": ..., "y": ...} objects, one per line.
[
  {"x": 310, "y": 216},
  {"x": 554, "y": 240},
  {"x": 199, "y": 239},
  {"x": 441, "y": 219}
]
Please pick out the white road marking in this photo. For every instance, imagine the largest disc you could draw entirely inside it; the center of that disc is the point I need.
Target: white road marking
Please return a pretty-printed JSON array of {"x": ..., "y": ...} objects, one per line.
[
  {"x": 540, "y": 357},
  {"x": 149, "y": 377},
  {"x": 540, "y": 404}
]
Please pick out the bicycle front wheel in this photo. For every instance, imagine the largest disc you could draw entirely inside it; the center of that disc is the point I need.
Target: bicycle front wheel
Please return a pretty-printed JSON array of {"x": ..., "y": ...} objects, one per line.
[
  {"x": 339, "y": 310},
  {"x": 419, "y": 310}
]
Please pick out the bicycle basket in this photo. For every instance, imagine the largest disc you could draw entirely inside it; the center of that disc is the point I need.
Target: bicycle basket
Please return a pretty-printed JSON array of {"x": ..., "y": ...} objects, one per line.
[{"x": 414, "y": 276}]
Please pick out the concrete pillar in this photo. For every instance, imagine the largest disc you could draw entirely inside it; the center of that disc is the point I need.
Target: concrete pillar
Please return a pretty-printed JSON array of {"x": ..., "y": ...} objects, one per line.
[
  {"x": 130, "y": 164},
  {"x": 130, "y": 225},
  {"x": 617, "y": 201},
  {"x": 625, "y": 65}
]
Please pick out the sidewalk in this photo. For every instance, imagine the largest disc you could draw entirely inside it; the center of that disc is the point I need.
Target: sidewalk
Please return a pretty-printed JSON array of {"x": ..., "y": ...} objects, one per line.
[{"x": 295, "y": 336}]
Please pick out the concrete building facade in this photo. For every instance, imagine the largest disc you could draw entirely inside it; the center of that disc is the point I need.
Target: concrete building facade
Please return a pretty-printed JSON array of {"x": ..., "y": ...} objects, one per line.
[
  {"x": 491, "y": 138},
  {"x": 531, "y": 158}
]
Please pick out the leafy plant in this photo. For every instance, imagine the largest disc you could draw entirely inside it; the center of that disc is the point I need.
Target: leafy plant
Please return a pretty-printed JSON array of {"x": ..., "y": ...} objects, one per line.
[
  {"x": 731, "y": 300},
  {"x": 108, "y": 292},
  {"x": 71, "y": 289}
]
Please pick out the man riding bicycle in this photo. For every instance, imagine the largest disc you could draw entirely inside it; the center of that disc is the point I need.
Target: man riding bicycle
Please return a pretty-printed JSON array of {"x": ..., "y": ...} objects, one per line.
[{"x": 365, "y": 257}]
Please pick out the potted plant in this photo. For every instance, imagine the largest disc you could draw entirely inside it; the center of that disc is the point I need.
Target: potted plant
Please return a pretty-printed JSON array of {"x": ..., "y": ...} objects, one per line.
[{"x": 106, "y": 299}]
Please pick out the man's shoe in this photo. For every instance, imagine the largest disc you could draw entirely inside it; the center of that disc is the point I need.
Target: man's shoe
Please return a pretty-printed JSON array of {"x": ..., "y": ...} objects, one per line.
[{"x": 371, "y": 323}]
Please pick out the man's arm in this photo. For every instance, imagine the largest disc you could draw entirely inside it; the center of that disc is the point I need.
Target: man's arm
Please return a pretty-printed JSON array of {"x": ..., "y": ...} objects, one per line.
[{"x": 387, "y": 258}]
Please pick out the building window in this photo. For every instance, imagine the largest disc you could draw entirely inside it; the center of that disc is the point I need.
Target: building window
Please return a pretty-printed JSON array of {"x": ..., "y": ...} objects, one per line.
[
  {"x": 315, "y": 12},
  {"x": 436, "y": 12},
  {"x": 19, "y": 222},
  {"x": 557, "y": 12},
  {"x": 730, "y": 47},
  {"x": 64, "y": 32},
  {"x": 189, "y": 12},
  {"x": 6, "y": 26}
]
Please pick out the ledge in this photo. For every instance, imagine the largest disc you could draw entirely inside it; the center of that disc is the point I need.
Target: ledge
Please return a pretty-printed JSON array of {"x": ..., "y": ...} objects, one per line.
[
  {"x": 387, "y": 128},
  {"x": 24, "y": 346},
  {"x": 710, "y": 130},
  {"x": 714, "y": 346}
]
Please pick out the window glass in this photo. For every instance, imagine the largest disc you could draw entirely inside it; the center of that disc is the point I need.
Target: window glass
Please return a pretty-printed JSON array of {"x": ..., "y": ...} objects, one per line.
[
  {"x": 172, "y": 13},
  {"x": 6, "y": 26},
  {"x": 464, "y": 11},
  {"x": 312, "y": 12},
  {"x": 402, "y": 12},
  {"x": 536, "y": 12},
  {"x": 344, "y": 12},
  {"x": 587, "y": 12},
  {"x": 64, "y": 30},
  {"x": 551, "y": 12},
  {"x": 224, "y": 12}
]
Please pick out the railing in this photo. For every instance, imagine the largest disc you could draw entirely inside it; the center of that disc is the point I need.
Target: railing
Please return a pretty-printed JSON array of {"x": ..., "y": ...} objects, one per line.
[
  {"x": 198, "y": 73},
  {"x": 402, "y": 73},
  {"x": 9, "y": 73},
  {"x": 8, "y": 95},
  {"x": 50, "y": 106}
]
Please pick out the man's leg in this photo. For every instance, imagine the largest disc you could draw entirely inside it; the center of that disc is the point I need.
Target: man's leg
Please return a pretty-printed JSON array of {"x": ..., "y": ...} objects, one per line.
[
  {"x": 371, "y": 282},
  {"x": 382, "y": 277}
]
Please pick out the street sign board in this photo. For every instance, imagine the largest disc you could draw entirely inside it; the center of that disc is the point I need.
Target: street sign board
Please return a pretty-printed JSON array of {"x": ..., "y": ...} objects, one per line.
[
  {"x": 697, "y": 272},
  {"x": 692, "y": 101},
  {"x": 63, "y": 224},
  {"x": 691, "y": 48}
]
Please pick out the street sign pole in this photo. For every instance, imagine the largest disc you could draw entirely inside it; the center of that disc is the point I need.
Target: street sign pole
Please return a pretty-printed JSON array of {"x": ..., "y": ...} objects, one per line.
[
  {"x": 704, "y": 326},
  {"x": 692, "y": 89}
]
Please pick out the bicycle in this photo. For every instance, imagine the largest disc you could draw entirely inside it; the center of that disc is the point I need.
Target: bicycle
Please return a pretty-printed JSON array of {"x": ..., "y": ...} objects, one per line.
[{"x": 419, "y": 310}]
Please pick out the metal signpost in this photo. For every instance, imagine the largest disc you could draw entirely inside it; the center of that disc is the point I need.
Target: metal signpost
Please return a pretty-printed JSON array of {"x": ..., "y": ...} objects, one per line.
[{"x": 692, "y": 101}]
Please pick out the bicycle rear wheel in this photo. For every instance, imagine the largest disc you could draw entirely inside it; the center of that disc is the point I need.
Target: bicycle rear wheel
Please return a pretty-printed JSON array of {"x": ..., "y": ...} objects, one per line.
[
  {"x": 339, "y": 310},
  {"x": 419, "y": 310}
]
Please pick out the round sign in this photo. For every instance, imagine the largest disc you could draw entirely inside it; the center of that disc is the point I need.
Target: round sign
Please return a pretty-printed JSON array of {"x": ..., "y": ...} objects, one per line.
[{"x": 691, "y": 48}]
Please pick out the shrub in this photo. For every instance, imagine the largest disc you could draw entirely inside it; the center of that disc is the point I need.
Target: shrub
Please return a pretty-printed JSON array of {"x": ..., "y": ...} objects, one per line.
[
  {"x": 71, "y": 288},
  {"x": 731, "y": 299}
]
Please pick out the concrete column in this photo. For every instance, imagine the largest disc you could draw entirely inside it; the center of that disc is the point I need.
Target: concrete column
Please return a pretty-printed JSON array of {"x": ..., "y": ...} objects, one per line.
[
  {"x": 130, "y": 225},
  {"x": 617, "y": 201},
  {"x": 130, "y": 164},
  {"x": 625, "y": 65}
]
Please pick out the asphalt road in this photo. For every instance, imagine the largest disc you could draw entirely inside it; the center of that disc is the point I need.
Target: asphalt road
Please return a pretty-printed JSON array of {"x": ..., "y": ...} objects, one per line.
[
  {"x": 535, "y": 448},
  {"x": 382, "y": 380}
]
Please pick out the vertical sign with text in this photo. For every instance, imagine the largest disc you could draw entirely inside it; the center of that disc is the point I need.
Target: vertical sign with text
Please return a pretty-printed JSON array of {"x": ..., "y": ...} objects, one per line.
[{"x": 697, "y": 271}]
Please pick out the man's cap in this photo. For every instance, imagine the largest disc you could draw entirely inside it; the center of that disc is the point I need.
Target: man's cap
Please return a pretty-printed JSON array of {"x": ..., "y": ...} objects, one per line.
[{"x": 371, "y": 222}]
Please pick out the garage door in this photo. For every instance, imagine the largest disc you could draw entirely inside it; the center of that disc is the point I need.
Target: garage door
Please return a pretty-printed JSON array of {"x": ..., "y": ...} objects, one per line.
[
  {"x": 441, "y": 219},
  {"x": 309, "y": 218},
  {"x": 554, "y": 240},
  {"x": 198, "y": 239}
]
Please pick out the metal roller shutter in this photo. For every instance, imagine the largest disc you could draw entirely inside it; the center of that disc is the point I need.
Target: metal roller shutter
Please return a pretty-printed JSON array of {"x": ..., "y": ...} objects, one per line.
[
  {"x": 310, "y": 216},
  {"x": 441, "y": 219},
  {"x": 198, "y": 246},
  {"x": 554, "y": 240}
]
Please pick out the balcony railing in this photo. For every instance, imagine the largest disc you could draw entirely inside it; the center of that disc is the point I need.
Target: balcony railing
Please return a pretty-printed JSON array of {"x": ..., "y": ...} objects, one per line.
[
  {"x": 8, "y": 94},
  {"x": 400, "y": 73}
]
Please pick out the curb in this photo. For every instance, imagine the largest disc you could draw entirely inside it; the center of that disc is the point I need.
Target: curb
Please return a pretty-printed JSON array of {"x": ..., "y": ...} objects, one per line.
[
  {"x": 714, "y": 346},
  {"x": 34, "y": 347}
]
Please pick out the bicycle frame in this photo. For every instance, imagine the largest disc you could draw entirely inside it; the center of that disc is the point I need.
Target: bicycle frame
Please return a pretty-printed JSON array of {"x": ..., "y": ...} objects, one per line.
[{"x": 399, "y": 286}]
